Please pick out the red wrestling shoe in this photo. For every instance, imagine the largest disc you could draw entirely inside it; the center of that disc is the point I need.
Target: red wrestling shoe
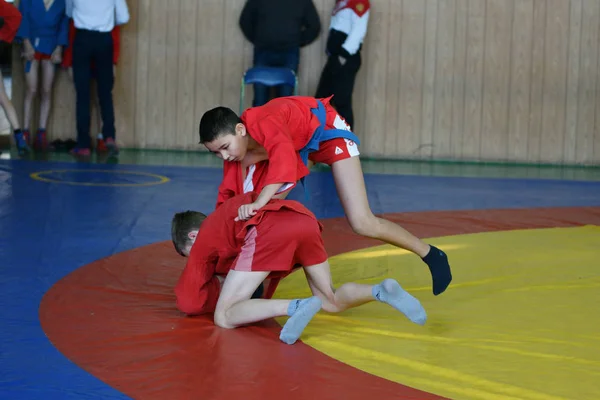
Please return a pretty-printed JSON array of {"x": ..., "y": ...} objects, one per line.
[
  {"x": 101, "y": 146},
  {"x": 41, "y": 143},
  {"x": 113, "y": 150},
  {"x": 78, "y": 151},
  {"x": 26, "y": 136}
]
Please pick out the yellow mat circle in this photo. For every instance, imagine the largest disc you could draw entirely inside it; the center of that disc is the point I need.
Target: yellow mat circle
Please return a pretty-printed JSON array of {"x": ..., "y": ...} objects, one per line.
[
  {"x": 521, "y": 319},
  {"x": 43, "y": 176}
]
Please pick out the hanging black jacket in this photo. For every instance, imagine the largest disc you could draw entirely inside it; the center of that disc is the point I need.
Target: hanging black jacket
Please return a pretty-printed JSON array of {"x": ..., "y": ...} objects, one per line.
[{"x": 280, "y": 24}]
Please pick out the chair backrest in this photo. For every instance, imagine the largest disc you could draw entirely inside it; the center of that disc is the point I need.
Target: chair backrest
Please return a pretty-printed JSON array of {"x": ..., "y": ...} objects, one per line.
[{"x": 269, "y": 76}]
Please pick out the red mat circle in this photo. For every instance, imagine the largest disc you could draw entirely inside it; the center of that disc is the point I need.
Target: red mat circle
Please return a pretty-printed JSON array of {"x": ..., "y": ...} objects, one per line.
[{"x": 116, "y": 319}]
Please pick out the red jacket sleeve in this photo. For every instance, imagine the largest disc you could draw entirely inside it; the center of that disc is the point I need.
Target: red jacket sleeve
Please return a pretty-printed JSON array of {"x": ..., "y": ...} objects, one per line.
[
  {"x": 67, "y": 58},
  {"x": 198, "y": 288},
  {"x": 275, "y": 137},
  {"x": 116, "y": 36},
  {"x": 12, "y": 21},
  {"x": 228, "y": 186}
]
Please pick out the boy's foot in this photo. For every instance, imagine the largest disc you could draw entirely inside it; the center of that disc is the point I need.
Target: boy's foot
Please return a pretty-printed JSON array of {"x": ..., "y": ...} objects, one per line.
[
  {"x": 81, "y": 152},
  {"x": 101, "y": 146},
  {"x": 40, "y": 143},
  {"x": 111, "y": 146},
  {"x": 22, "y": 143},
  {"x": 437, "y": 261},
  {"x": 389, "y": 291},
  {"x": 300, "y": 312}
]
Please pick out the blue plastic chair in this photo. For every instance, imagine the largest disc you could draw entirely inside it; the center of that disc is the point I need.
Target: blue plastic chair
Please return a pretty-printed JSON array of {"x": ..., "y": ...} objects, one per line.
[{"x": 269, "y": 76}]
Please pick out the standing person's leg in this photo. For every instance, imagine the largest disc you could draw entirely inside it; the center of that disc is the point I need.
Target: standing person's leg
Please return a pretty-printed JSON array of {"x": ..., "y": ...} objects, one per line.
[
  {"x": 31, "y": 81},
  {"x": 261, "y": 92},
  {"x": 83, "y": 50},
  {"x": 291, "y": 60},
  {"x": 343, "y": 86},
  {"x": 13, "y": 119},
  {"x": 103, "y": 61},
  {"x": 48, "y": 74},
  {"x": 96, "y": 103},
  {"x": 325, "y": 87},
  {"x": 100, "y": 143}
]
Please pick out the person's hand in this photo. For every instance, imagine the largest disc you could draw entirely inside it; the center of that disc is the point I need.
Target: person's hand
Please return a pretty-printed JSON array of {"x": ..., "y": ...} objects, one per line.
[
  {"x": 247, "y": 210},
  {"x": 56, "y": 56},
  {"x": 28, "y": 50}
]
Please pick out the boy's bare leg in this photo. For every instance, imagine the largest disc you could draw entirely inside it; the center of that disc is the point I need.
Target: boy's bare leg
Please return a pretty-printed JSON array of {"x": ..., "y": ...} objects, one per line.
[
  {"x": 235, "y": 308},
  {"x": 31, "y": 80},
  {"x": 351, "y": 295},
  {"x": 348, "y": 295},
  {"x": 48, "y": 74},
  {"x": 9, "y": 108},
  {"x": 350, "y": 184}
]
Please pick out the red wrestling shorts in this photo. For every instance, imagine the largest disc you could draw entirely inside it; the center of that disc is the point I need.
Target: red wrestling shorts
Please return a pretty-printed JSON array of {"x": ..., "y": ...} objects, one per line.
[
  {"x": 41, "y": 56},
  {"x": 334, "y": 150},
  {"x": 338, "y": 149},
  {"x": 282, "y": 240}
]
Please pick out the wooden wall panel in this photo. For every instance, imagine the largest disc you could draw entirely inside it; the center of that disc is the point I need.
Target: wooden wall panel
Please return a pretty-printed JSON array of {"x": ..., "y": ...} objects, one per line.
[
  {"x": 589, "y": 85},
  {"x": 491, "y": 80},
  {"x": 471, "y": 143},
  {"x": 520, "y": 80}
]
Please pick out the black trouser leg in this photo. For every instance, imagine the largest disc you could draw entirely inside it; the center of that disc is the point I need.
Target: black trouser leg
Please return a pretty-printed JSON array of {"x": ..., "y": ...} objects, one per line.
[
  {"x": 338, "y": 80},
  {"x": 103, "y": 60},
  {"x": 82, "y": 59}
]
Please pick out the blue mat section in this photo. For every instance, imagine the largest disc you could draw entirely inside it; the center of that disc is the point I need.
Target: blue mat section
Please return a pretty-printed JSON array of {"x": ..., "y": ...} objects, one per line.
[
  {"x": 48, "y": 229},
  {"x": 394, "y": 193}
]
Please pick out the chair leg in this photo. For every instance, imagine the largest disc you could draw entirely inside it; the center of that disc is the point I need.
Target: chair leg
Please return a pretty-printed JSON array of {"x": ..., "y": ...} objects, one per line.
[{"x": 242, "y": 95}]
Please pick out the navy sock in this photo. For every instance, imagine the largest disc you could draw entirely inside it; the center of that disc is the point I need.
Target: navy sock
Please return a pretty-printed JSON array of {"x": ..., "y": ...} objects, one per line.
[{"x": 437, "y": 261}]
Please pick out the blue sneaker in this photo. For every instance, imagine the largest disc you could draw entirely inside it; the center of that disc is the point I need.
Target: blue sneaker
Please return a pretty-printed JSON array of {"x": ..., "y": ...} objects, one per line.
[{"x": 21, "y": 141}]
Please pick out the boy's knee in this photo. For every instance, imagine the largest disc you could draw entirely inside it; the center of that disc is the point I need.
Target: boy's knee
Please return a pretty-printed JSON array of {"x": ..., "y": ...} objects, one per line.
[
  {"x": 329, "y": 304},
  {"x": 220, "y": 319},
  {"x": 365, "y": 225},
  {"x": 330, "y": 307}
]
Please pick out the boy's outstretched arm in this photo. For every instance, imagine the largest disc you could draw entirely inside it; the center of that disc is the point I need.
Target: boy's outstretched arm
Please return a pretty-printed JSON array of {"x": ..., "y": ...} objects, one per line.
[
  {"x": 249, "y": 210},
  {"x": 274, "y": 136},
  {"x": 198, "y": 288}
]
